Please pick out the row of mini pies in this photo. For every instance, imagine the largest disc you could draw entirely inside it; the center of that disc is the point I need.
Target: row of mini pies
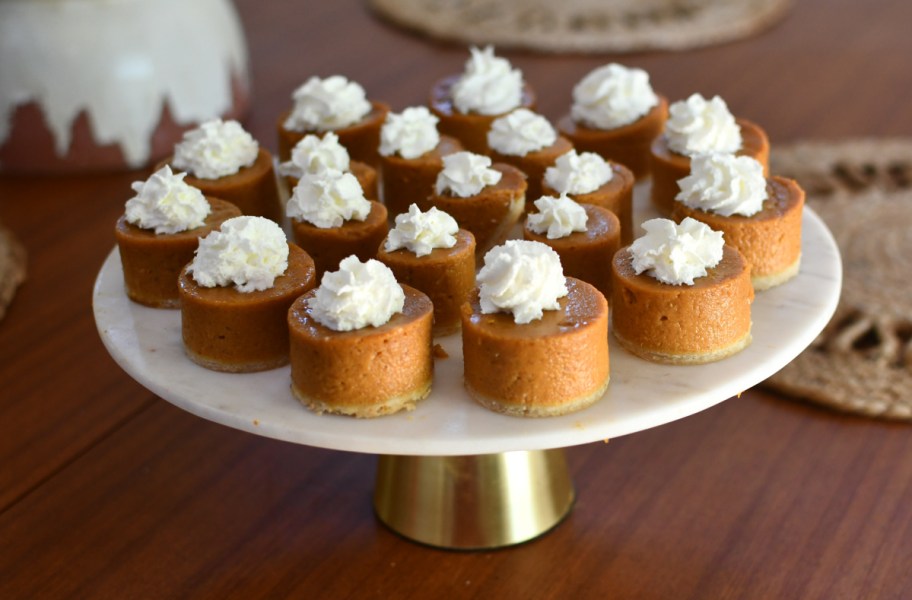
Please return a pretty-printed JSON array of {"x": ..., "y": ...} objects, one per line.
[{"x": 550, "y": 356}]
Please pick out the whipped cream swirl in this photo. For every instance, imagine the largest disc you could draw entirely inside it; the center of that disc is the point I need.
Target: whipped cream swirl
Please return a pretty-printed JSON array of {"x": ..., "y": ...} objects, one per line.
[
  {"x": 699, "y": 125},
  {"x": 521, "y": 277},
  {"x": 676, "y": 254},
  {"x": 465, "y": 174},
  {"x": 574, "y": 173},
  {"x": 357, "y": 295},
  {"x": 488, "y": 86},
  {"x": 165, "y": 204},
  {"x": 557, "y": 217},
  {"x": 409, "y": 134},
  {"x": 422, "y": 232},
  {"x": 612, "y": 96},
  {"x": 215, "y": 149},
  {"x": 247, "y": 252},
  {"x": 328, "y": 199},
  {"x": 325, "y": 104},
  {"x": 724, "y": 184},
  {"x": 521, "y": 132},
  {"x": 314, "y": 154}
]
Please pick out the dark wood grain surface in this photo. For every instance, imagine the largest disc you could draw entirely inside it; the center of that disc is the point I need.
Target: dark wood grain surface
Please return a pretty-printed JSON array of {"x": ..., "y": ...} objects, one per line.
[{"x": 109, "y": 492}]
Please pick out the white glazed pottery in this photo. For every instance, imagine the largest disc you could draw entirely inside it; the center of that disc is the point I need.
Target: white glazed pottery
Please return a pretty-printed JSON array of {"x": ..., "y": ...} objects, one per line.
[{"x": 108, "y": 84}]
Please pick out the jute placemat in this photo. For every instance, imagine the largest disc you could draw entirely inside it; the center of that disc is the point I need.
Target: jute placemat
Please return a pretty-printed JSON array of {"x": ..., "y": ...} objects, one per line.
[
  {"x": 587, "y": 26},
  {"x": 12, "y": 267},
  {"x": 862, "y": 362}
]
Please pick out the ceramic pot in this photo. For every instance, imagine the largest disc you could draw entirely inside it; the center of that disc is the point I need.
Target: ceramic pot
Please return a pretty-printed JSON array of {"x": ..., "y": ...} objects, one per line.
[{"x": 113, "y": 84}]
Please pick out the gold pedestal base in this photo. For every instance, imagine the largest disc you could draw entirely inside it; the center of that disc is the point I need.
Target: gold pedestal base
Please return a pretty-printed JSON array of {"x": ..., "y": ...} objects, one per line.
[{"x": 473, "y": 502}]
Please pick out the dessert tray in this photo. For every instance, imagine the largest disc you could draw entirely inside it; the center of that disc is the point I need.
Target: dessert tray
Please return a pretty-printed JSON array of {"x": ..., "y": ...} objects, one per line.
[{"x": 146, "y": 343}]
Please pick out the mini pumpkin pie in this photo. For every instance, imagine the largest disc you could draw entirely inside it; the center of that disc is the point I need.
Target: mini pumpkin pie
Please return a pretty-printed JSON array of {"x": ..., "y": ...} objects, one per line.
[
  {"x": 159, "y": 232},
  {"x": 224, "y": 161},
  {"x": 486, "y": 200},
  {"x": 534, "y": 343},
  {"x": 697, "y": 125},
  {"x": 588, "y": 179},
  {"x": 429, "y": 252},
  {"x": 468, "y": 103},
  {"x": 528, "y": 142},
  {"x": 680, "y": 295},
  {"x": 314, "y": 154},
  {"x": 236, "y": 293},
  {"x": 331, "y": 219},
  {"x": 759, "y": 216},
  {"x": 361, "y": 343},
  {"x": 411, "y": 157},
  {"x": 334, "y": 104},
  {"x": 584, "y": 236},
  {"x": 616, "y": 114}
]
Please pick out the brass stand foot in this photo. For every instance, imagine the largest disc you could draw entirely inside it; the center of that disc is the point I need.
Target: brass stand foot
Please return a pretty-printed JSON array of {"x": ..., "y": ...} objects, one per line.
[{"x": 473, "y": 502}]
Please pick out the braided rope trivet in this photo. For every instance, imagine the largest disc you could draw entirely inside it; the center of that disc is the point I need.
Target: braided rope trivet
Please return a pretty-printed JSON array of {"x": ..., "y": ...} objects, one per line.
[
  {"x": 585, "y": 25},
  {"x": 862, "y": 362}
]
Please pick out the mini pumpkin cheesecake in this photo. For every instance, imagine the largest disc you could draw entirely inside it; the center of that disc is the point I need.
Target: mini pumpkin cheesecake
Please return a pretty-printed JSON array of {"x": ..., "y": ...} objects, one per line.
[
  {"x": 589, "y": 179},
  {"x": 468, "y": 103},
  {"x": 683, "y": 297},
  {"x": 333, "y": 104},
  {"x": 224, "y": 161},
  {"x": 528, "y": 142},
  {"x": 429, "y": 252},
  {"x": 584, "y": 236},
  {"x": 236, "y": 293},
  {"x": 156, "y": 242},
  {"x": 535, "y": 344},
  {"x": 331, "y": 219},
  {"x": 485, "y": 199},
  {"x": 314, "y": 154},
  {"x": 696, "y": 126},
  {"x": 361, "y": 343},
  {"x": 760, "y": 216},
  {"x": 365, "y": 174},
  {"x": 411, "y": 157},
  {"x": 616, "y": 114}
]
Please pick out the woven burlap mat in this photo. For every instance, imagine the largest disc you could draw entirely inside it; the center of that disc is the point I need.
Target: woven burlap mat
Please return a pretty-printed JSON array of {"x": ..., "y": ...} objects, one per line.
[
  {"x": 12, "y": 267},
  {"x": 862, "y": 362},
  {"x": 585, "y": 25}
]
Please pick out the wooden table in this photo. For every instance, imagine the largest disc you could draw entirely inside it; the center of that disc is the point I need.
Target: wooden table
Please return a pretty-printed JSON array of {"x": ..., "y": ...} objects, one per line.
[{"x": 108, "y": 491}]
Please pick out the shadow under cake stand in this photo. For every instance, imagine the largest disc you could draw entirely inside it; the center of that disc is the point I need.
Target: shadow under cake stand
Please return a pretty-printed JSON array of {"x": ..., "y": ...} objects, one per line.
[{"x": 452, "y": 474}]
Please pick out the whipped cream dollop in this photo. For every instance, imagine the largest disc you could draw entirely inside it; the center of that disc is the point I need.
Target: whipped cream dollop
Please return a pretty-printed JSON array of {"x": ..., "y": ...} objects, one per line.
[
  {"x": 422, "y": 232},
  {"x": 488, "y": 86},
  {"x": 215, "y": 149},
  {"x": 574, "y": 173},
  {"x": 557, "y": 217},
  {"x": 410, "y": 134},
  {"x": 247, "y": 252},
  {"x": 611, "y": 96},
  {"x": 314, "y": 154},
  {"x": 699, "y": 125},
  {"x": 676, "y": 254},
  {"x": 724, "y": 184},
  {"x": 357, "y": 295},
  {"x": 521, "y": 277},
  {"x": 165, "y": 204},
  {"x": 325, "y": 104},
  {"x": 328, "y": 199},
  {"x": 521, "y": 132},
  {"x": 465, "y": 174}
]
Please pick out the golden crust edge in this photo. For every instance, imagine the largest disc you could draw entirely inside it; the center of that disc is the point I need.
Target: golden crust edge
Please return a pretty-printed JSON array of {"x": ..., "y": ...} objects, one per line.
[
  {"x": 527, "y": 411},
  {"x": 695, "y": 358},
  {"x": 406, "y": 401}
]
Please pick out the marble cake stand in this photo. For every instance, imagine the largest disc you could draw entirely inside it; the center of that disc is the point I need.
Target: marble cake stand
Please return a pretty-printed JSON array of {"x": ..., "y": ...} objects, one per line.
[{"x": 451, "y": 473}]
